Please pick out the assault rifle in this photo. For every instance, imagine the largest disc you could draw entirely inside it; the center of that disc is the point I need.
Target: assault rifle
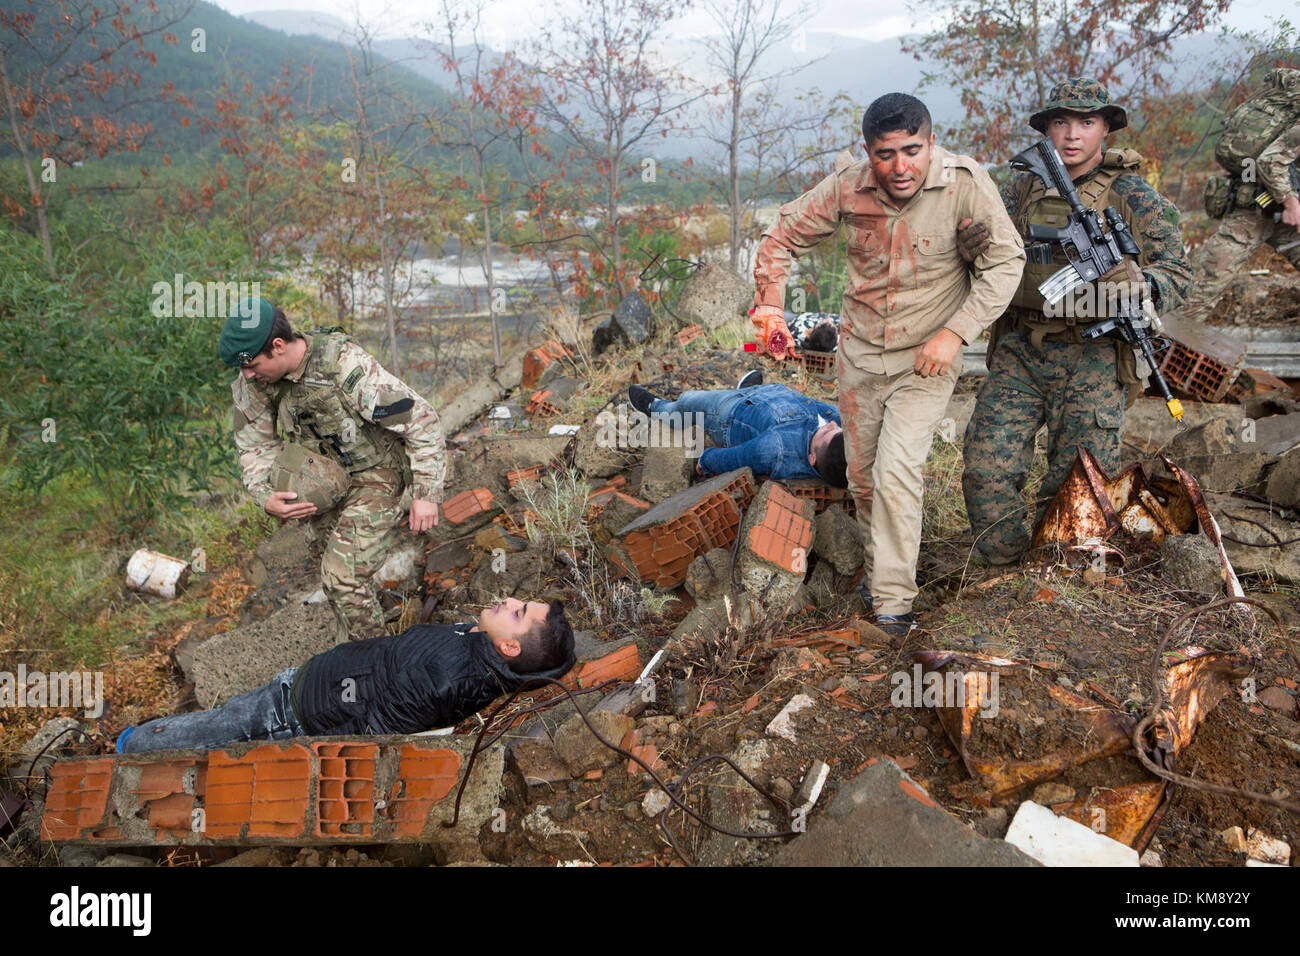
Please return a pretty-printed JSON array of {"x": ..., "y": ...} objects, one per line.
[{"x": 1093, "y": 252}]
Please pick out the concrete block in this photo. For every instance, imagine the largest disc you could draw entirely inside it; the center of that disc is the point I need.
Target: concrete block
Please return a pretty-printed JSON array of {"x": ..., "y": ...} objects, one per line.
[
  {"x": 1283, "y": 486},
  {"x": 247, "y": 657},
  {"x": 837, "y": 540},
  {"x": 578, "y": 747},
  {"x": 714, "y": 296},
  {"x": 667, "y": 469},
  {"x": 882, "y": 818},
  {"x": 1189, "y": 562},
  {"x": 709, "y": 575}
]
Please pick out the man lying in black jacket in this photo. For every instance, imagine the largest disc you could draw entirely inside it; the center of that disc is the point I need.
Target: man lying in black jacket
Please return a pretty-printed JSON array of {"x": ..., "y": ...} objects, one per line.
[{"x": 426, "y": 677}]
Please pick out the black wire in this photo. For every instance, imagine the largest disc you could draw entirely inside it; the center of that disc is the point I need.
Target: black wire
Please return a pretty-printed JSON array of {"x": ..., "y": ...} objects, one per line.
[{"x": 670, "y": 790}]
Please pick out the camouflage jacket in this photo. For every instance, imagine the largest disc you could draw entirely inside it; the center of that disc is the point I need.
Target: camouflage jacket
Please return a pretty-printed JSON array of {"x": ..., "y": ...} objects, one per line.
[
  {"x": 1152, "y": 218},
  {"x": 386, "y": 412},
  {"x": 1275, "y": 162}
]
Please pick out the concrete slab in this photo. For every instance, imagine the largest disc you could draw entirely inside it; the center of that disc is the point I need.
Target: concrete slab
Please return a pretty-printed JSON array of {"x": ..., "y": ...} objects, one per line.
[
  {"x": 247, "y": 657},
  {"x": 882, "y": 818}
]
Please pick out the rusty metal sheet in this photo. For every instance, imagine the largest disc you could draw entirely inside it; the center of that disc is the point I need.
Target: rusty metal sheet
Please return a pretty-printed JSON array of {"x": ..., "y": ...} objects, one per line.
[
  {"x": 1091, "y": 507},
  {"x": 1195, "y": 680},
  {"x": 1210, "y": 528},
  {"x": 1109, "y": 731},
  {"x": 1081, "y": 508},
  {"x": 1123, "y": 813}
]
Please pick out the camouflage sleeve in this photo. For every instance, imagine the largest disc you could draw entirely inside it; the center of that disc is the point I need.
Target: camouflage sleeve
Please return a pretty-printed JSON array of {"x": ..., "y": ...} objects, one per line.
[
  {"x": 800, "y": 225},
  {"x": 1007, "y": 193},
  {"x": 255, "y": 438},
  {"x": 1275, "y": 162},
  {"x": 384, "y": 399},
  {"x": 1155, "y": 225}
]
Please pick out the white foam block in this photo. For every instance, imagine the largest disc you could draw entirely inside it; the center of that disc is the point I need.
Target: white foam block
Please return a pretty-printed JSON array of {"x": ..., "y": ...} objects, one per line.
[{"x": 1059, "y": 841}]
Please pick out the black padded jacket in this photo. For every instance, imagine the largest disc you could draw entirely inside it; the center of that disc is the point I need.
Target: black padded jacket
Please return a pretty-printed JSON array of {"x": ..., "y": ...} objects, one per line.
[{"x": 428, "y": 676}]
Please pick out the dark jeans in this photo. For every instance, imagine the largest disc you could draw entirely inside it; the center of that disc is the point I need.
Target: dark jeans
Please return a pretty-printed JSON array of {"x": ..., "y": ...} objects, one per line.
[
  {"x": 261, "y": 714},
  {"x": 714, "y": 404}
]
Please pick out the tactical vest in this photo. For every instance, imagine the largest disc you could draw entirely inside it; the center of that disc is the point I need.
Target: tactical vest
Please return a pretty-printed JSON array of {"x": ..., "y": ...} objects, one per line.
[
  {"x": 1035, "y": 207},
  {"x": 312, "y": 412}
]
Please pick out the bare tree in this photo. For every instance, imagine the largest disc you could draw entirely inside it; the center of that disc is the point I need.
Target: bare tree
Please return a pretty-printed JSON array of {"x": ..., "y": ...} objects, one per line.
[
  {"x": 750, "y": 30},
  {"x": 486, "y": 114},
  {"x": 608, "y": 94},
  {"x": 387, "y": 170}
]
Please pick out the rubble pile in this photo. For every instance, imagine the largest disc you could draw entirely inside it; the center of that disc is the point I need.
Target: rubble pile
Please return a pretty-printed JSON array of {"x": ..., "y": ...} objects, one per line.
[{"x": 758, "y": 717}]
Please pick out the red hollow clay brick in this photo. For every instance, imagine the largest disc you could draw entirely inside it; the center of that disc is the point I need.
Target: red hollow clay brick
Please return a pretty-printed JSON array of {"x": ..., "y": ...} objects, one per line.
[
  {"x": 77, "y": 797},
  {"x": 346, "y": 792},
  {"x": 784, "y": 535},
  {"x": 622, "y": 664},
  {"x": 262, "y": 793},
  {"x": 424, "y": 778},
  {"x": 466, "y": 505}
]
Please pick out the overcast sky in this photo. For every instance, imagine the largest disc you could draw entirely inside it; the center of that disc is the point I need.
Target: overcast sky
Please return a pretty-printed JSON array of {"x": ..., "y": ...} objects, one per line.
[{"x": 510, "y": 21}]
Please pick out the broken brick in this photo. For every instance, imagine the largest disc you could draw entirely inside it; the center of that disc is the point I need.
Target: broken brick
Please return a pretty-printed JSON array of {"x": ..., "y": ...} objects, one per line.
[
  {"x": 689, "y": 334},
  {"x": 465, "y": 505},
  {"x": 623, "y": 664}
]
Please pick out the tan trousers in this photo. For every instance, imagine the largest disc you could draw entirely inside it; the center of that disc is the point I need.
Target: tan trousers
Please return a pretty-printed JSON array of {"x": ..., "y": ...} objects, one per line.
[{"x": 889, "y": 424}]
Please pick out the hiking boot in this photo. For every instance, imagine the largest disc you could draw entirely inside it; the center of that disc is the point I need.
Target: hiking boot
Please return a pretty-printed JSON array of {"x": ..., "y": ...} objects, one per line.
[
  {"x": 750, "y": 379},
  {"x": 640, "y": 398},
  {"x": 896, "y": 625}
]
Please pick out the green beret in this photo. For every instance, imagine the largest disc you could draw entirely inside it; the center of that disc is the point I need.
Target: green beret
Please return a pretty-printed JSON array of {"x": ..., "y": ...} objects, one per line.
[{"x": 246, "y": 331}]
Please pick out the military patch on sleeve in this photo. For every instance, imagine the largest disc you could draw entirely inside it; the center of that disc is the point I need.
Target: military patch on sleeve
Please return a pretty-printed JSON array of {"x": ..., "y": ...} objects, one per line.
[
  {"x": 240, "y": 419},
  {"x": 396, "y": 413},
  {"x": 353, "y": 377}
]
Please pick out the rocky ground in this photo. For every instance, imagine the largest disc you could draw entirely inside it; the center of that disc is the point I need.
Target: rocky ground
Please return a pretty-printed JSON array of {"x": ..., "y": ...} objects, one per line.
[{"x": 778, "y": 669}]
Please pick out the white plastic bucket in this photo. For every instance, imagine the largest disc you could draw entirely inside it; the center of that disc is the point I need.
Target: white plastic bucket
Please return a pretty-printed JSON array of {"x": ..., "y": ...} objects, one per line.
[{"x": 155, "y": 573}]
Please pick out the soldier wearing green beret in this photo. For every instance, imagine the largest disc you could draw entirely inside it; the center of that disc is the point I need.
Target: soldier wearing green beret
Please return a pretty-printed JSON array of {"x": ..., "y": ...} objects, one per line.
[
  {"x": 320, "y": 402},
  {"x": 1041, "y": 371}
]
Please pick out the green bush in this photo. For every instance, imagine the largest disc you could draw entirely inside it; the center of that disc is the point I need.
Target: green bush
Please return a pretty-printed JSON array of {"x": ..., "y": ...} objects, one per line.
[{"x": 96, "y": 384}]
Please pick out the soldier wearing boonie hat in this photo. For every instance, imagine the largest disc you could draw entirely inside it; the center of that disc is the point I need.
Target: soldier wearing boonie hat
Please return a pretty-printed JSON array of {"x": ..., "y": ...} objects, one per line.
[
  {"x": 1040, "y": 369},
  {"x": 321, "y": 425}
]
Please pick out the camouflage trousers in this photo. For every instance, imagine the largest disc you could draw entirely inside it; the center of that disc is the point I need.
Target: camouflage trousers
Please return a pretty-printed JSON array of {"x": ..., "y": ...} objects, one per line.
[
  {"x": 1221, "y": 258},
  {"x": 366, "y": 531},
  {"x": 1073, "y": 389}
]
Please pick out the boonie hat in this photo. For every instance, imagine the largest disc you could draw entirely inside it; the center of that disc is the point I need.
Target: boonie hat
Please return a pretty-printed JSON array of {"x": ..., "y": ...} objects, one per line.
[{"x": 1080, "y": 94}]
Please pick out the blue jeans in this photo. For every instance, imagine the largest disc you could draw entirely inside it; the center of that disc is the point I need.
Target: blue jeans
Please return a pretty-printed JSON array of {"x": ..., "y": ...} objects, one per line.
[
  {"x": 261, "y": 714},
  {"x": 715, "y": 404}
]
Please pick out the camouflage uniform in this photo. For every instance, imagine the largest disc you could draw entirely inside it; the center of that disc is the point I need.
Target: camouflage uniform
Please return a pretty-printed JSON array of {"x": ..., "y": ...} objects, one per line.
[
  {"x": 1040, "y": 369},
  {"x": 388, "y": 438},
  {"x": 1242, "y": 231}
]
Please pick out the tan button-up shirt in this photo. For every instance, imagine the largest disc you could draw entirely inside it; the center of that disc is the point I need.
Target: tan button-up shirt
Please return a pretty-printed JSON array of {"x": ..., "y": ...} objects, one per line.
[{"x": 906, "y": 279}]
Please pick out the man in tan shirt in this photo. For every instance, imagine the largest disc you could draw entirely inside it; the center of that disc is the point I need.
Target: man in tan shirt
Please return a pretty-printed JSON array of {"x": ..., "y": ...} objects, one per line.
[{"x": 910, "y": 303}]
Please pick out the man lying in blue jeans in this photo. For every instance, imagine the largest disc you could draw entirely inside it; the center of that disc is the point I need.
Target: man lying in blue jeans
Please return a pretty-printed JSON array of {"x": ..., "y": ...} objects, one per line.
[
  {"x": 771, "y": 429},
  {"x": 428, "y": 676}
]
